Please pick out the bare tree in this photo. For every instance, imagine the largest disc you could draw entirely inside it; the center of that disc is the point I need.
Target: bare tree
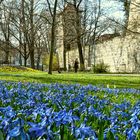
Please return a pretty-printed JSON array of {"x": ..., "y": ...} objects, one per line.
[
  {"x": 78, "y": 31},
  {"x": 24, "y": 23},
  {"x": 97, "y": 16},
  {"x": 20, "y": 29},
  {"x": 126, "y": 6},
  {"x": 53, "y": 27},
  {"x": 23, "y": 35},
  {"x": 32, "y": 33},
  {"x": 5, "y": 30}
]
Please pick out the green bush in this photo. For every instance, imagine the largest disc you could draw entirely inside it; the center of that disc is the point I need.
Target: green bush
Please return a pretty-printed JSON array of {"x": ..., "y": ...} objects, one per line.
[{"x": 101, "y": 68}]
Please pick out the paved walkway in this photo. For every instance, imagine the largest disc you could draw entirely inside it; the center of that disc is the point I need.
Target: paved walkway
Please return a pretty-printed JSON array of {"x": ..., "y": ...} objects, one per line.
[{"x": 118, "y": 74}]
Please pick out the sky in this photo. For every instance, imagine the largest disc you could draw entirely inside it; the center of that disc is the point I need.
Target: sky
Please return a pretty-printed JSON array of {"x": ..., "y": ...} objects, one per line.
[{"x": 114, "y": 8}]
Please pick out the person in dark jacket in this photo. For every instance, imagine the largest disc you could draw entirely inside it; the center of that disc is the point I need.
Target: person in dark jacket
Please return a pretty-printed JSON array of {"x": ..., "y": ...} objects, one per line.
[{"x": 76, "y": 63}]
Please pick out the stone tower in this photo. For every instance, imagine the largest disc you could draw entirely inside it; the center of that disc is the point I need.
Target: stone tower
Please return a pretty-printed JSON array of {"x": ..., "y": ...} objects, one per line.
[
  {"x": 134, "y": 16},
  {"x": 66, "y": 30}
]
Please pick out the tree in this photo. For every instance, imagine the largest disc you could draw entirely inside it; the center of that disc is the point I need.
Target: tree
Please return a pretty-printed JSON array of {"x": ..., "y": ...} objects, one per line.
[
  {"x": 92, "y": 27},
  {"x": 20, "y": 29},
  {"x": 53, "y": 27},
  {"x": 126, "y": 7},
  {"x": 78, "y": 31},
  {"x": 24, "y": 24},
  {"x": 5, "y": 30},
  {"x": 32, "y": 34}
]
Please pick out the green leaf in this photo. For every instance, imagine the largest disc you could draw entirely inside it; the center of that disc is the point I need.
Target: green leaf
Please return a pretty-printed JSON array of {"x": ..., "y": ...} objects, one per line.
[
  {"x": 1, "y": 136},
  {"x": 38, "y": 118},
  {"x": 110, "y": 136},
  {"x": 138, "y": 135},
  {"x": 101, "y": 131}
]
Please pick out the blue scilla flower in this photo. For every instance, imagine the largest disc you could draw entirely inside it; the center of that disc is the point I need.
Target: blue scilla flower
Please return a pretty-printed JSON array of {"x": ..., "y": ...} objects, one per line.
[
  {"x": 63, "y": 117},
  {"x": 40, "y": 130},
  {"x": 96, "y": 113},
  {"x": 37, "y": 131},
  {"x": 1, "y": 118},
  {"x": 130, "y": 134},
  {"x": 5, "y": 124},
  {"x": 13, "y": 133},
  {"x": 85, "y": 132},
  {"x": 134, "y": 119},
  {"x": 82, "y": 108},
  {"x": 8, "y": 111}
]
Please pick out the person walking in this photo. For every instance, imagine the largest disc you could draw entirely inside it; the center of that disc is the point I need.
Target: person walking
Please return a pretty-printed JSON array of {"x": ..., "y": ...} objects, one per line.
[{"x": 76, "y": 63}]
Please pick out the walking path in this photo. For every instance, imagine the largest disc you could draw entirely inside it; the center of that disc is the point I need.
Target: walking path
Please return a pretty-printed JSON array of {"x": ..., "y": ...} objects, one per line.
[{"x": 118, "y": 75}]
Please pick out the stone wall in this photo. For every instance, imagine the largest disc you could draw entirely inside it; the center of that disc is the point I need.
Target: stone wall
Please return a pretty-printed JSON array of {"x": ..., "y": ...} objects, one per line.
[{"x": 122, "y": 54}]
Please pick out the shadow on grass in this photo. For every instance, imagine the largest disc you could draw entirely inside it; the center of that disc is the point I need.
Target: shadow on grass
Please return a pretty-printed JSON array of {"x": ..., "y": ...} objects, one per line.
[
  {"x": 45, "y": 78},
  {"x": 97, "y": 82}
]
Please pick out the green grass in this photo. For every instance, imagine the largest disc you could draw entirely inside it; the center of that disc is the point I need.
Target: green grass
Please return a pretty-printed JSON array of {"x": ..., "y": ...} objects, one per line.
[{"x": 118, "y": 81}]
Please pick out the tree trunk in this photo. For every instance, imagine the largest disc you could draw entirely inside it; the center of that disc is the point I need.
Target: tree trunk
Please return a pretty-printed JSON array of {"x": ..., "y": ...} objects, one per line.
[
  {"x": 20, "y": 47},
  {"x": 79, "y": 44},
  {"x": 31, "y": 46},
  {"x": 20, "y": 55},
  {"x": 32, "y": 59},
  {"x": 64, "y": 56},
  {"x": 23, "y": 27},
  {"x": 25, "y": 55},
  {"x": 6, "y": 61},
  {"x": 52, "y": 38},
  {"x": 7, "y": 49},
  {"x": 126, "y": 4},
  {"x": 89, "y": 56},
  {"x": 82, "y": 67},
  {"x": 38, "y": 62},
  {"x": 25, "y": 61}
]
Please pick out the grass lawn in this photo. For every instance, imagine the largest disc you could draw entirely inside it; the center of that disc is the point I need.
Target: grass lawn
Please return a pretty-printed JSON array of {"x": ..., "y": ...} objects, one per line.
[{"x": 119, "y": 81}]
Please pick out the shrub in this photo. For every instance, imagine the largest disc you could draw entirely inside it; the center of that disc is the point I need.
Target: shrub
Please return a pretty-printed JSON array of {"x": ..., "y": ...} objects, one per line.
[{"x": 101, "y": 68}]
